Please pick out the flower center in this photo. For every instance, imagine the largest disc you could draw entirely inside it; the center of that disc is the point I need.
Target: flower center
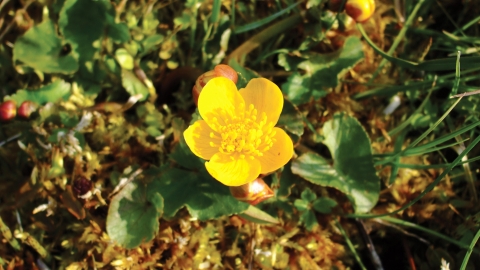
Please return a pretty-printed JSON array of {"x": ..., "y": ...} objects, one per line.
[{"x": 243, "y": 135}]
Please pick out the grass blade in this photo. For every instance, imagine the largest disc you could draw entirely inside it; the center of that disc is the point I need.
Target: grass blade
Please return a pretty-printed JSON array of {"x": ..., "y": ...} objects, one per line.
[
  {"x": 260, "y": 23},
  {"x": 469, "y": 251}
]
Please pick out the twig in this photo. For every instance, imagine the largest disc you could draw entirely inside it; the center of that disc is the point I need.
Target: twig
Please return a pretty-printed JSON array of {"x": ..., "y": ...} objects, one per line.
[
  {"x": 263, "y": 36},
  {"x": 10, "y": 139},
  {"x": 368, "y": 242},
  {"x": 10, "y": 25}
]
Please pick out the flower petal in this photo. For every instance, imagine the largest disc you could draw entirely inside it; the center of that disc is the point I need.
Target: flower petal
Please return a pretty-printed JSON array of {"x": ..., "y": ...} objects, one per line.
[
  {"x": 279, "y": 154},
  {"x": 265, "y": 96},
  {"x": 197, "y": 137},
  {"x": 219, "y": 99},
  {"x": 233, "y": 172}
]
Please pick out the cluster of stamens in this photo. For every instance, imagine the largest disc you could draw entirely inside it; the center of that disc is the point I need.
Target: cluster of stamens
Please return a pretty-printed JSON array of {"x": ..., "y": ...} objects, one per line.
[{"x": 242, "y": 135}]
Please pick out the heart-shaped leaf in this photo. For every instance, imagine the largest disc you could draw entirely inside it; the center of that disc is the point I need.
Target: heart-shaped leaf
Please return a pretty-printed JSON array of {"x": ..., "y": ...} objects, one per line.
[
  {"x": 133, "y": 215},
  {"x": 352, "y": 171}
]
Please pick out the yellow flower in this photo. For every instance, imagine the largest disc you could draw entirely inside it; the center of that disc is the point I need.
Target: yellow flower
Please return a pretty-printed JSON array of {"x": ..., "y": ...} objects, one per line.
[{"x": 238, "y": 134}]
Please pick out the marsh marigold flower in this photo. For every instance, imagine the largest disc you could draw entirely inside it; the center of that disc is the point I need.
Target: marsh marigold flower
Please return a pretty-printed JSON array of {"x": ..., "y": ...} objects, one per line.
[{"x": 237, "y": 135}]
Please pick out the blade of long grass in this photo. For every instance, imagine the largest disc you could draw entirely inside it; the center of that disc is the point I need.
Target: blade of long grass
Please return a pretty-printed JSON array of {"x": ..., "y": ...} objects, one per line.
[
  {"x": 442, "y": 81},
  {"x": 421, "y": 166},
  {"x": 469, "y": 251},
  {"x": 429, "y": 188},
  {"x": 407, "y": 122},
  {"x": 467, "y": 25},
  {"x": 426, "y": 230},
  {"x": 434, "y": 166},
  {"x": 217, "y": 5},
  {"x": 456, "y": 82},
  {"x": 399, "y": 38},
  {"x": 446, "y": 138},
  {"x": 350, "y": 245},
  {"x": 262, "y": 22},
  {"x": 422, "y": 151},
  {"x": 447, "y": 14},
  {"x": 232, "y": 14},
  {"x": 470, "y": 177},
  {"x": 397, "y": 148},
  {"x": 263, "y": 36},
  {"x": 425, "y": 134},
  {"x": 443, "y": 64}
]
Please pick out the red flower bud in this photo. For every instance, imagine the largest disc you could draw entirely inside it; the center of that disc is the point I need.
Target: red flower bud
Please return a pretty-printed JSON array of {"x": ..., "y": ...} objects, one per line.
[
  {"x": 219, "y": 71},
  {"x": 8, "y": 110},
  {"x": 26, "y": 109}
]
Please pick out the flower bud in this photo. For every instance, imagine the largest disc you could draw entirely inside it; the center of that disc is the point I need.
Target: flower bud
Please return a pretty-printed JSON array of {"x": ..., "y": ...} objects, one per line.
[
  {"x": 8, "y": 110},
  {"x": 219, "y": 71},
  {"x": 253, "y": 193},
  {"x": 26, "y": 109},
  {"x": 360, "y": 10}
]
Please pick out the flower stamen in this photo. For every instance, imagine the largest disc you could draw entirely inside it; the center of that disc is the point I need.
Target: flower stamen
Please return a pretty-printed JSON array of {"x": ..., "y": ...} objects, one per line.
[{"x": 243, "y": 135}]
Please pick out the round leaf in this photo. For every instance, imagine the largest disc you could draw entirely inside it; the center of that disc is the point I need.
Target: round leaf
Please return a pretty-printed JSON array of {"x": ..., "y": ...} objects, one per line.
[
  {"x": 352, "y": 172},
  {"x": 133, "y": 215}
]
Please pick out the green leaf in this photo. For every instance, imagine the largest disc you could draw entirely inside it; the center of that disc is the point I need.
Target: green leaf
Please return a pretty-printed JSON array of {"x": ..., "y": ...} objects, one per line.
[
  {"x": 133, "y": 85},
  {"x": 308, "y": 195},
  {"x": 84, "y": 22},
  {"x": 289, "y": 62},
  {"x": 184, "y": 156},
  {"x": 204, "y": 197},
  {"x": 68, "y": 120},
  {"x": 322, "y": 71},
  {"x": 324, "y": 205},
  {"x": 125, "y": 60},
  {"x": 309, "y": 220},
  {"x": 91, "y": 76},
  {"x": 244, "y": 74},
  {"x": 300, "y": 88},
  {"x": 49, "y": 93},
  {"x": 41, "y": 49},
  {"x": 291, "y": 119},
  {"x": 287, "y": 180},
  {"x": 301, "y": 205},
  {"x": 352, "y": 172},
  {"x": 258, "y": 216},
  {"x": 152, "y": 42},
  {"x": 133, "y": 215},
  {"x": 184, "y": 21},
  {"x": 118, "y": 32},
  {"x": 54, "y": 138}
]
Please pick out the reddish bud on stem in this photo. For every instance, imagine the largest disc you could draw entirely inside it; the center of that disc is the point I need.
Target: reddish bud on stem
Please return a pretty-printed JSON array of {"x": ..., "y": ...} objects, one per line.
[
  {"x": 219, "y": 71},
  {"x": 8, "y": 110},
  {"x": 26, "y": 109},
  {"x": 253, "y": 193}
]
